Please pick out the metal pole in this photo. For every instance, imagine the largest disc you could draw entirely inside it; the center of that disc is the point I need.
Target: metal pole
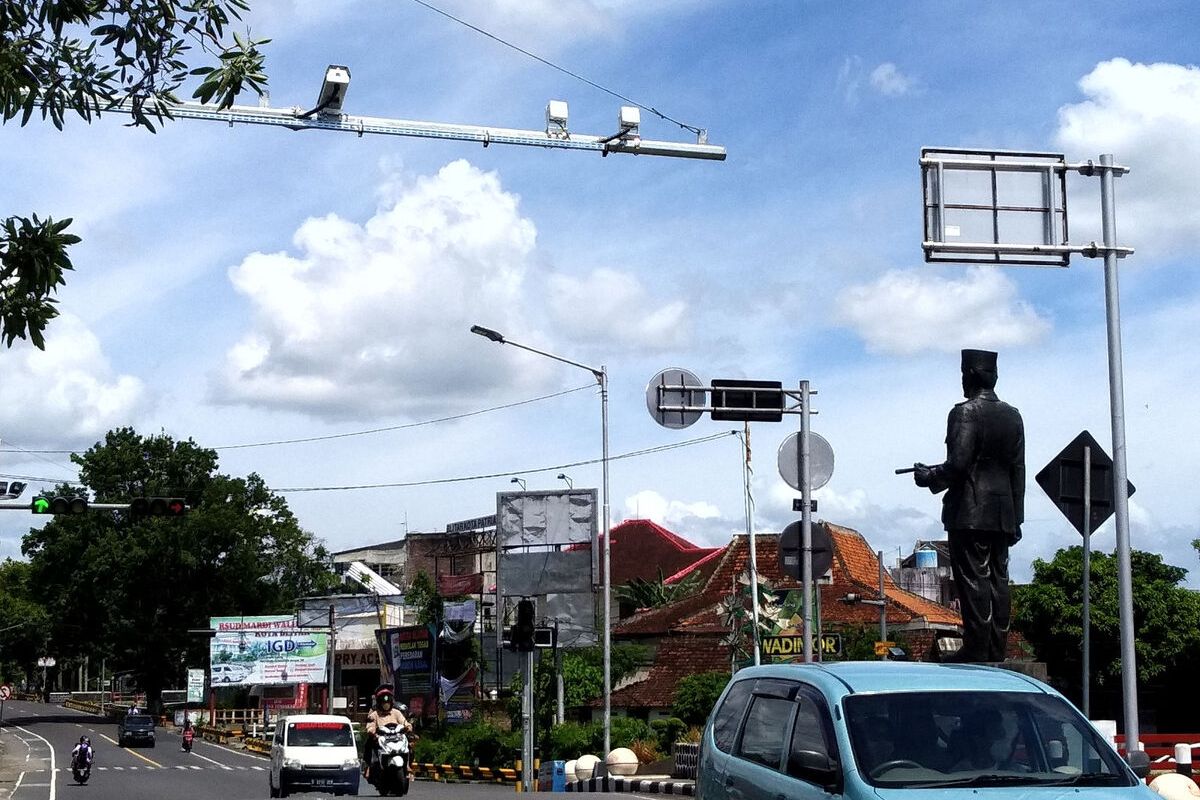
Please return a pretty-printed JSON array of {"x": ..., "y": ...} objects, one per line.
[
  {"x": 560, "y": 712},
  {"x": 332, "y": 661},
  {"x": 882, "y": 602},
  {"x": 102, "y": 665},
  {"x": 1087, "y": 581},
  {"x": 806, "y": 522},
  {"x": 754, "y": 635},
  {"x": 1116, "y": 389},
  {"x": 527, "y": 725},
  {"x": 603, "y": 378}
]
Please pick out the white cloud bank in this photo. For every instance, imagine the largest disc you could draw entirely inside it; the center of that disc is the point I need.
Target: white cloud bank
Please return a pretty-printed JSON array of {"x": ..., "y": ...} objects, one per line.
[
  {"x": 1148, "y": 116},
  {"x": 372, "y": 319},
  {"x": 66, "y": 393},
  {"x": 907, "y": 312},
  {"x": 888, "y": 80}
]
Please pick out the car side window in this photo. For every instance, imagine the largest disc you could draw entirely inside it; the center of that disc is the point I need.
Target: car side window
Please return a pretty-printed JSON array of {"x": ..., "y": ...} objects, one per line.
[
  {"x": 766, "y": 726},
  {"x": 729, "y": 716},
  {"x": 808, "y": 731}
]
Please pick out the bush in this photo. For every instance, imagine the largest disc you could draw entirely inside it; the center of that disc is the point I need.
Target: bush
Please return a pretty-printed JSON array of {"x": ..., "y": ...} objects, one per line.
[
  {"x": 625, "y": 731},
  {"x": 668, "y": 731},
  {"x": 696, "y": 695},
  {"x": 468, "y": 744},
  {"x": 570, "y": 740},
  {"x": 646, "y": 750}
]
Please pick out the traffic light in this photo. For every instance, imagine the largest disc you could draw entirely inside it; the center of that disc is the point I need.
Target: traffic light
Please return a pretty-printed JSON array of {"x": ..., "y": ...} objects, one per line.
[
  {"x": 522, "y": 635},
  {"x": 157, "y": 507},
  {"x": 45, "y": 504}
]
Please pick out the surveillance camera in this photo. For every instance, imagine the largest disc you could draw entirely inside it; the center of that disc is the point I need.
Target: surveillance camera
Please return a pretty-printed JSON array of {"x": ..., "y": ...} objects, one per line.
[
  {"x": 629, "y": 119},
  {"x": 333, "y": 89},
  {"x": 556, "y": 117}
]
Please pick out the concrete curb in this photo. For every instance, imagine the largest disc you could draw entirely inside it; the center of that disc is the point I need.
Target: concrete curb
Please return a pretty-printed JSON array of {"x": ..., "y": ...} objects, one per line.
[{"x": 642, "y": 785}]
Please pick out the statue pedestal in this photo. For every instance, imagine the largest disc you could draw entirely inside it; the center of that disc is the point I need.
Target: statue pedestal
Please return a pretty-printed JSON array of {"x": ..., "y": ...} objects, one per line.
[{"x": 1034, "y": 669}]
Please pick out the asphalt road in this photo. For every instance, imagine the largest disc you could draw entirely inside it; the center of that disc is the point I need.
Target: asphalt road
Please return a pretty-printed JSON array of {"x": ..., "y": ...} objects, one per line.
[{"x": 36, "y": 765}]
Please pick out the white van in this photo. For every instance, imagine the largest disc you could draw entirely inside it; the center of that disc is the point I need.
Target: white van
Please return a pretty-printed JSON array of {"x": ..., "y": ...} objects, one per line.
[
  {"x": 314, "y": 753},
  {"x": 229, "y": 673}
]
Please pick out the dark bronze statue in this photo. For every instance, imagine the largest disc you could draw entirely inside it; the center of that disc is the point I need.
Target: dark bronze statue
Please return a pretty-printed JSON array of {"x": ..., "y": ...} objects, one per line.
[{"x": 984, "y": 481}]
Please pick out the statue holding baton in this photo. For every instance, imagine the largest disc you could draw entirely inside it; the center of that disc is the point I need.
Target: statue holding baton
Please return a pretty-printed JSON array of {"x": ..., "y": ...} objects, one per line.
[{"x": 983, "y": 478}]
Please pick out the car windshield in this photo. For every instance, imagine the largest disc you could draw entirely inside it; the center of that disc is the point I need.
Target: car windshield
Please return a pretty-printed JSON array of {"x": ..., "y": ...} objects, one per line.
[
  {"x": 319, "y": 734},
  {"x": 926, "y": 740}
]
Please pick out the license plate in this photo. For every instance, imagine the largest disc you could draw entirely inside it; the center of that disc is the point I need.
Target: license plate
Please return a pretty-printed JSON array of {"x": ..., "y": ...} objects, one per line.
[{"x": 323, "y": 782}]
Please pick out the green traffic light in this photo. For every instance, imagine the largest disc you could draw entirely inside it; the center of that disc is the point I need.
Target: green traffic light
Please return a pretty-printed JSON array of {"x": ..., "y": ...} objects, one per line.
[{"x": 41, "y": 505}]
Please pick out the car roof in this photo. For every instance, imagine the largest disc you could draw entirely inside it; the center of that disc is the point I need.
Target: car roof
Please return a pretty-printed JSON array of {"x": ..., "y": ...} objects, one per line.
[
  {"x": 316, "y": 718},
  {"x": 838, "y": 679}
]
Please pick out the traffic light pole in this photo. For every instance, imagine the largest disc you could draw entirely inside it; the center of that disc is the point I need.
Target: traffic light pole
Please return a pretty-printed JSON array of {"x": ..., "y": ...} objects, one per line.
[{"x": 527, "y": 725}]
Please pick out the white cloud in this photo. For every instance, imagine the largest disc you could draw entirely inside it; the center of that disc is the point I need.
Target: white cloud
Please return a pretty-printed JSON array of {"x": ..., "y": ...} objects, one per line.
[
  {"x": 850, "y": 78},
  {"x": 66, "y": 393},
  {"x": 906, "y": 312},
  {"x": 373, "y": 318},
  {"x": 700, "y": 522},
  {"x": 889, "y": 81},
  {"x": 611, "y": 306},
  {"x": 1148, "y": 116}
]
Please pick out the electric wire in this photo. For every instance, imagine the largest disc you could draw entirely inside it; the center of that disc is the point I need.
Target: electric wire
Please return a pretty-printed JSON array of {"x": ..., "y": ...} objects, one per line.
[
  {"x": 466, "y": 478},
  {"x": 564, "y": 70},
  {"x": 367, "y": 432}
]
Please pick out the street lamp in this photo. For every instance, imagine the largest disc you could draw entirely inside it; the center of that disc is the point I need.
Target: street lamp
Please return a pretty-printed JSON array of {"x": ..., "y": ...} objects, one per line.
[
  {"x": 601, "y": 376},
  {"x": 562, "y": 476},
  {"x": 520, "y": 482}
]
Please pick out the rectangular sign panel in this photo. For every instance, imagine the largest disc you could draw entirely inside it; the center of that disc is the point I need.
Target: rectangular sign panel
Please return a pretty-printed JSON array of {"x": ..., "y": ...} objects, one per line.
[
  {"x": 264, "y": 650},
  {"x": 410, "y": 663},
  {"x": 195, "y": 686}
]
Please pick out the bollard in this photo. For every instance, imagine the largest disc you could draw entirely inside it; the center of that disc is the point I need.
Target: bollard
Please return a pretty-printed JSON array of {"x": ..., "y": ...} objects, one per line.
[{"x": 1183, "y": 759}]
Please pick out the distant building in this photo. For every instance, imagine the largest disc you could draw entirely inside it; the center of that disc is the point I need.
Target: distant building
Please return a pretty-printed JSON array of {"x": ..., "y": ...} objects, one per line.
[{"x": 926, "y": 571}]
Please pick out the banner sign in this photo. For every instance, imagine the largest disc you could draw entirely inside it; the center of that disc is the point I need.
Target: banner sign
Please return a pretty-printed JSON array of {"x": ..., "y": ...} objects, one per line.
[
  {"x": 195, "y": 686},
  {"x": 458, "y": 585},
  {"x": 264, "y": 650},
  {"x": 410, "y": 657},
  {"x": 784, "y": 648}
]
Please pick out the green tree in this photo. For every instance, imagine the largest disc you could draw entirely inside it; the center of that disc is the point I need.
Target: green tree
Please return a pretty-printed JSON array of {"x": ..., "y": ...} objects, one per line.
[
  {"x": 696, "y": 695},
  {"x": 423, "y": 595},
  {"x": 1049, "y": 613},
  {"x": 87, "y": 57},
  {"x": 23, "y": 635},
  {"x": 641, "y": 593},
  {"x": 129, "y": 589}
]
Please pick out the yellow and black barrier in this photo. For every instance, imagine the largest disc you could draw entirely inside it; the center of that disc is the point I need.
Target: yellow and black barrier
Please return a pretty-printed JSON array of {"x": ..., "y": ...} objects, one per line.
[{"x": 464, "y": 772}]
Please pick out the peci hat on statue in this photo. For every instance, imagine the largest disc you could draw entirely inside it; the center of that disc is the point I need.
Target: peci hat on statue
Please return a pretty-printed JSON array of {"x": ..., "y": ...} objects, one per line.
[{"x": 979, "y": 360}]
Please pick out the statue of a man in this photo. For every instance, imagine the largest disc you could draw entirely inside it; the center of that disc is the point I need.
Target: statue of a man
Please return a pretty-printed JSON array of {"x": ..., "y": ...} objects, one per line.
[{"x": 984, "y": 481}]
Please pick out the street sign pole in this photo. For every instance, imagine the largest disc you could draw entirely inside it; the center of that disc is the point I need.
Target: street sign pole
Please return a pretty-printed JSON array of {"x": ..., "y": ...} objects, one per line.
[
  {"x": 756, "y": 632},
  {"x": 1087, "y": 580},
  {"x": 527, "y": 725},
  {"x": 806, "y": 521},
  {"x": 1116, "y": 390}
]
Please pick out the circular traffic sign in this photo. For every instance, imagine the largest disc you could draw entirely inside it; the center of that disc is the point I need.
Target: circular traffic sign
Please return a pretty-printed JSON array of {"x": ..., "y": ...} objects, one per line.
[
  {"x": 5, "y": 692},
  {"x": 791, "y": 550},
  {"x": 673, "y": 388},
  {"x": 820, "y": 460}
]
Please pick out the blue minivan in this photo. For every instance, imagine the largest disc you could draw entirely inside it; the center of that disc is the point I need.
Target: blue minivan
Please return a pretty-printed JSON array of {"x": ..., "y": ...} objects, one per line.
[{"x": 886, "y": 730}]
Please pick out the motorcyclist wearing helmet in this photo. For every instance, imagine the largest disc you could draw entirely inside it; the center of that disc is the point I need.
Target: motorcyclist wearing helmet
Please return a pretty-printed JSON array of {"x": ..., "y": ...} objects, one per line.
[
  {"x": 82, "y": 754},
  {"x": 384, "y": 713}
]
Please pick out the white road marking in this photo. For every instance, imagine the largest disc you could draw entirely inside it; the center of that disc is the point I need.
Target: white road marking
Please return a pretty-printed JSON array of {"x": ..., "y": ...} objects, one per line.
[
  {"x": 20, "y": 778},
  {"x": 260, "y": 769},
  {"x": 53, "y": 776},
  {"x": 179, "y": 766},
  {"x": 211, "y": 761},
  {"x": 195, "y": 766}
]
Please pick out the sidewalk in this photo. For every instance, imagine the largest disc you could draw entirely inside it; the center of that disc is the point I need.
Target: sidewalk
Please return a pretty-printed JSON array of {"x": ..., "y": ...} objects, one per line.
[
  {"x": 11, "y": 762},
  {"x": 642, "y": 785}
]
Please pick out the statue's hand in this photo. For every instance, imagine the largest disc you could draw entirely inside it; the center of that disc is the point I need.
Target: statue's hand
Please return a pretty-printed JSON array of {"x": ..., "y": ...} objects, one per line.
[
  {"x": 1014, "y": 537},
  {"x": 922, "y": 475}
]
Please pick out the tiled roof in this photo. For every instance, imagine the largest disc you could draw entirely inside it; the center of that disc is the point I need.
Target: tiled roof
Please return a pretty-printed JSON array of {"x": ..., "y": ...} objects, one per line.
[
  {"x": 641, "y": 549},
  {"x": 855, "y": 570},
  {"x": 677, "y": 657}
]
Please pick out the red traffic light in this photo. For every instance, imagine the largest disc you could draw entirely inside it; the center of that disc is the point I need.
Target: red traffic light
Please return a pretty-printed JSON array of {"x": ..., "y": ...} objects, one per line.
[{"x": 157, "y": 507}]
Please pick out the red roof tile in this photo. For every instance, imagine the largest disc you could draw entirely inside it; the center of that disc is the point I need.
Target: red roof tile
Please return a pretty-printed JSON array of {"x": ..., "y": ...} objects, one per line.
[
  {"x": 641, "y": 549},
  {"x": 855, "y": 570},
  {"x": 677, "y": 658}
]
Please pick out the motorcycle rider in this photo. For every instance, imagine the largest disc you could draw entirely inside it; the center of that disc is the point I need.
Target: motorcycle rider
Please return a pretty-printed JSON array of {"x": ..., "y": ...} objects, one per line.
[
  {"x": 384, "y": 713},
  {"x": 189, "y": 733},
  {"x": 81, "y": 756}
]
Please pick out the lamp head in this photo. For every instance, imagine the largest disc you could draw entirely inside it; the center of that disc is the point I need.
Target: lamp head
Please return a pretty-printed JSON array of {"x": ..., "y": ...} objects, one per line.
[{"x": 487, "y": 333}]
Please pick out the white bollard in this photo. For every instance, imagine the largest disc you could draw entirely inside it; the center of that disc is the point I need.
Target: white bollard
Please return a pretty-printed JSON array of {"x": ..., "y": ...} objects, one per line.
[{"x": 1183, "y": 759}]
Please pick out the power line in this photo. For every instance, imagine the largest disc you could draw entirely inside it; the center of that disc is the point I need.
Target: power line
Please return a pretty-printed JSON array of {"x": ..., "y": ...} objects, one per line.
[
  {"x": 564, "y": 70},
  {"x": 367, "y": 432},
  {"x": 435, "y": 481}
]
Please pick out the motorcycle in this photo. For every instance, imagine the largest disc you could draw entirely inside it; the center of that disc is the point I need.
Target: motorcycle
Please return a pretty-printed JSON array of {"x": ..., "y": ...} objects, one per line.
[
  {"x": 188, "y": 736},
  {"x": 389, "y": 772},
  {"x": 81, "y": 765}
]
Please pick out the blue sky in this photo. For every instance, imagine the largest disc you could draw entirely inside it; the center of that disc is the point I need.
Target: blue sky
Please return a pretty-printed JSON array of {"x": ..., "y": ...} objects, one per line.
[{"x": 240, "y": 285}]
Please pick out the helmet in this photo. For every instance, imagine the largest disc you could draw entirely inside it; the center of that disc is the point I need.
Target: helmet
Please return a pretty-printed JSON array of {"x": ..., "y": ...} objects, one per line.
[
  {"x": 383, "y": 695},
  {"x": 83, "y": 740}
]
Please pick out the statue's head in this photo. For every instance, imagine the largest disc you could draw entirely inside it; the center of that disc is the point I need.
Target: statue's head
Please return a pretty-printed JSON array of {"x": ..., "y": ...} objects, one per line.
[{"x": 978, "y": 371}]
